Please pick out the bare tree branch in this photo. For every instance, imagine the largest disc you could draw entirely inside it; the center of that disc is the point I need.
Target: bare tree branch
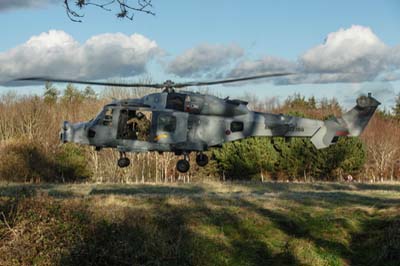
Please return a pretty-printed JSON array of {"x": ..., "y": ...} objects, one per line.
[{"x": 126, "y": 8}]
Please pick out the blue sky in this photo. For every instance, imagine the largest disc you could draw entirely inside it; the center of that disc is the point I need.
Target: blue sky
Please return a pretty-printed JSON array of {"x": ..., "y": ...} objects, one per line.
[{"x": 222, "y": 38}]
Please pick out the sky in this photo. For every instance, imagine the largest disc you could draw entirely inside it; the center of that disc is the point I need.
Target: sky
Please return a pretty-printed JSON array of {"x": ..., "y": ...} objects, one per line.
[{"x": 337, "y": 49}]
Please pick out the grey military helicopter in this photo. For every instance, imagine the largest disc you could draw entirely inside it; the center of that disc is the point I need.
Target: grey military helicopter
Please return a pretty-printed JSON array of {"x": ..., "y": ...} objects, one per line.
[{"x": 183, "y": 122}]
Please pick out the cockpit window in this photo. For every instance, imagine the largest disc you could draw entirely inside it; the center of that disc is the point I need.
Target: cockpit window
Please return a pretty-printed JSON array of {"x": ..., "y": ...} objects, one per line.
[
  {"x": 108, "y": 115},
  {"x": 167, "y": 123}
]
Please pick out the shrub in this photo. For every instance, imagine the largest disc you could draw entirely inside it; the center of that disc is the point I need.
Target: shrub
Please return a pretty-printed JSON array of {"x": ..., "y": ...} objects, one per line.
[
  {"x": 246, "y": 159},
  {"x": 25, "y": 161},
  {"x": 290, "y": 158},
  {"x": 71, "y": 163}
]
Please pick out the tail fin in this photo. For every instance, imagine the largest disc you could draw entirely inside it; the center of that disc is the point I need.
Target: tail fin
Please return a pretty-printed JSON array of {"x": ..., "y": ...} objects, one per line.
[
  {"x": 357, "y": 118},
  {"x": 350, "y": 124}
]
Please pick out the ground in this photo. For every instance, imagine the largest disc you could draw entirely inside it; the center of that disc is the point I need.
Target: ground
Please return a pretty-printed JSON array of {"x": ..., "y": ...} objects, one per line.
[{"x": 200, "y": 224}]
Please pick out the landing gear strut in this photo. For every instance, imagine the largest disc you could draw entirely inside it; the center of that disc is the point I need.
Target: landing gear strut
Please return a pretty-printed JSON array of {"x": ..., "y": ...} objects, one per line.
[
  {"x": 123, "y": 161},
  {"x": 201, "y": 159},
  {"x": 183, "y": 165}
]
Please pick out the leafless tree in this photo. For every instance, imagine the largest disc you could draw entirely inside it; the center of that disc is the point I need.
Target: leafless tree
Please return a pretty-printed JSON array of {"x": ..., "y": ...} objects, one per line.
[
  {"x": 382, "y": 139},
  {"x": 126, "y": 9}
]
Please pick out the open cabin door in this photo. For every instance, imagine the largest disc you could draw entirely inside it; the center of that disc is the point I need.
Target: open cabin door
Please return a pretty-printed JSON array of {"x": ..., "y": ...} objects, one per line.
[
  {"x": 134, "y": 124},
  {"x": 170, "y": 127}
]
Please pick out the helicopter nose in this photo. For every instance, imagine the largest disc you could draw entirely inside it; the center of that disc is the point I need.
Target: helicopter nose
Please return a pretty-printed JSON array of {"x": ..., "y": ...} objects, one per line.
[
  {"x": 65, "y": 132},
  {"x": 76, "y": 133}
]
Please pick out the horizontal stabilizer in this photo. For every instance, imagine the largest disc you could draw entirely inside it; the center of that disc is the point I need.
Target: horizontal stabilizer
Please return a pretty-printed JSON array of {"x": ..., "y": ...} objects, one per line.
[{"x": 327, "y": 134}]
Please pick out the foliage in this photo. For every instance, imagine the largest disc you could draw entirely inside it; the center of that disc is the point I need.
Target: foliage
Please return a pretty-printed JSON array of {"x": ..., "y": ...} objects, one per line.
[
  {"x": 247, "y": 158},
  {"x": 72, "y": 95},
  {"x": 396, "y": 108},
  {"x": 51, "y": 93},
  {"x": 295, "y": 157},
  {"x": 297, "y": 101},
  {"x": 89, "y": 93},
  {"x": 27, "y": 161},
  {"x": 24, "y": 161},
  {"x": 72, "y": 163}
]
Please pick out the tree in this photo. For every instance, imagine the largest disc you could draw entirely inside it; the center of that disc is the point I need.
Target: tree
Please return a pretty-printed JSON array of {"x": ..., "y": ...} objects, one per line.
[
  {"x": 347, "y": 156},
  {"x": 50, "y": 93},
  {"x": 330, "y": 104},
  {"x": 89, "y": 93},
  {"x": 125, "y": 8},
  {"x": 71, "y": 163},
  {"x": 247, "y": 158},
  {"x": 396, "y": 108},
  {"x": 312, "y": 102},
  {"x": 72, "y": 95},
  {"x": 382, "y": 139}
]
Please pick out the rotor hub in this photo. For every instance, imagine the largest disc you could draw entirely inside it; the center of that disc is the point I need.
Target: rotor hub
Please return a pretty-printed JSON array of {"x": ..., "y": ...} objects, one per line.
[{"x": 169, "y": 86}]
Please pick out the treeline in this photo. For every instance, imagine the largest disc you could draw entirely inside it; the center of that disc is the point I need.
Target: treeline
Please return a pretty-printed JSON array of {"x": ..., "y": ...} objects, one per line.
[{"x": 30, "y": 150}]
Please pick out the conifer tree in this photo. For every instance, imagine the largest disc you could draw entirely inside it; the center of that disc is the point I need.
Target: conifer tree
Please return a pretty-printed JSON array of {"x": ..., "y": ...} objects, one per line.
[
  {"x": 396, "y": 108},
  {"x": 50, "y": 94}
]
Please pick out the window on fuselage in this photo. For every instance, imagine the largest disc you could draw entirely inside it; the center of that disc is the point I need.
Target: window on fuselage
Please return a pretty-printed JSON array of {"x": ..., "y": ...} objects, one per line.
[
  {"x": 237, "y": 126},
  {"x": 166, "y": 123},
  {"x": 176, "y": 101}
]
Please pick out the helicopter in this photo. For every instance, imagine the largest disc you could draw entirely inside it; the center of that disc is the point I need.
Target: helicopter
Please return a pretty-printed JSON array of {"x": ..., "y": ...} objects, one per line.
[{"x": 183, "y": 121}]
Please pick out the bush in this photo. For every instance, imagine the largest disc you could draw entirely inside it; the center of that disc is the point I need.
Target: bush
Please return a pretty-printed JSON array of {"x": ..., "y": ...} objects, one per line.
[
  {"x": 246, "y": 159},
  {"x": 72, "y": 163},
  {"x": 290, "y": 158},
  {"x": 27, "y": 161}
]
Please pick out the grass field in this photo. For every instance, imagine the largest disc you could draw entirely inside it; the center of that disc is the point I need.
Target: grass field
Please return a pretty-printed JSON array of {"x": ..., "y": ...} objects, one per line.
[{"x": 200, "y": 224}]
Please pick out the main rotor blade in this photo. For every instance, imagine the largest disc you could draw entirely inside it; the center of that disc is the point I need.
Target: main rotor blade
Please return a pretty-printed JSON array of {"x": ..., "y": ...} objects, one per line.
[
  {"x": 100, "y": 83},
  {"x": 167, "y": 84},
  {"x": 204, "y": 83}
]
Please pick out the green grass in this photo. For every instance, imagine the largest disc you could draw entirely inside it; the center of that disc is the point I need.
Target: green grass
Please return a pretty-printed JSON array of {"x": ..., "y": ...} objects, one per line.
[{"x": 200, "y": 224}]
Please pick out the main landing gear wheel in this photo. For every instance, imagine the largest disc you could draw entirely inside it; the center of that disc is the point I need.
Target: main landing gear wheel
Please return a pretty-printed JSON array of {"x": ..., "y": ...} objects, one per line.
[
  {"x": 123, "y": 161},
  {"x": 201, "y": 159},
  {"x": 183, "y": 166}
]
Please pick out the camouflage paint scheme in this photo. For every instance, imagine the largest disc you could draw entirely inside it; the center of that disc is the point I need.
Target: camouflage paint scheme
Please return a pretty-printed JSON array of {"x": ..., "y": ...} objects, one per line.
[{"x": 205, "y": 121}]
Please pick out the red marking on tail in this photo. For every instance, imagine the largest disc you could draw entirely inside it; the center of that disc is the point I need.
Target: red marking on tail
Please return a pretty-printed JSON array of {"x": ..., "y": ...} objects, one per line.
[{"x": 342, "y": 133}]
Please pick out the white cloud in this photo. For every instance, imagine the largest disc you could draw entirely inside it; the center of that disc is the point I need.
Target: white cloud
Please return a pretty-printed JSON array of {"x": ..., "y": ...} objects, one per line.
[
  {"x": 205, "y": 59},
  {"x": 348, "y": 55},
  {"x": 57, "y": 54},
  {"x": 355, "y": 54},
  {"x": 261, "y": 66},
  {"x": 13, "y": 4}
]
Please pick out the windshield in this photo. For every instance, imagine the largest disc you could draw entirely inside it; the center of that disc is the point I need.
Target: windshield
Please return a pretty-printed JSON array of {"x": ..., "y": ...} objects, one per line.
[{"x": 104, "y": 117}]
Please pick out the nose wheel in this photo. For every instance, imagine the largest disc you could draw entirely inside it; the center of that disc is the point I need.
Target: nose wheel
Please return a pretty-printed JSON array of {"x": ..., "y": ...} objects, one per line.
[{"x": 123, "y": 161}]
